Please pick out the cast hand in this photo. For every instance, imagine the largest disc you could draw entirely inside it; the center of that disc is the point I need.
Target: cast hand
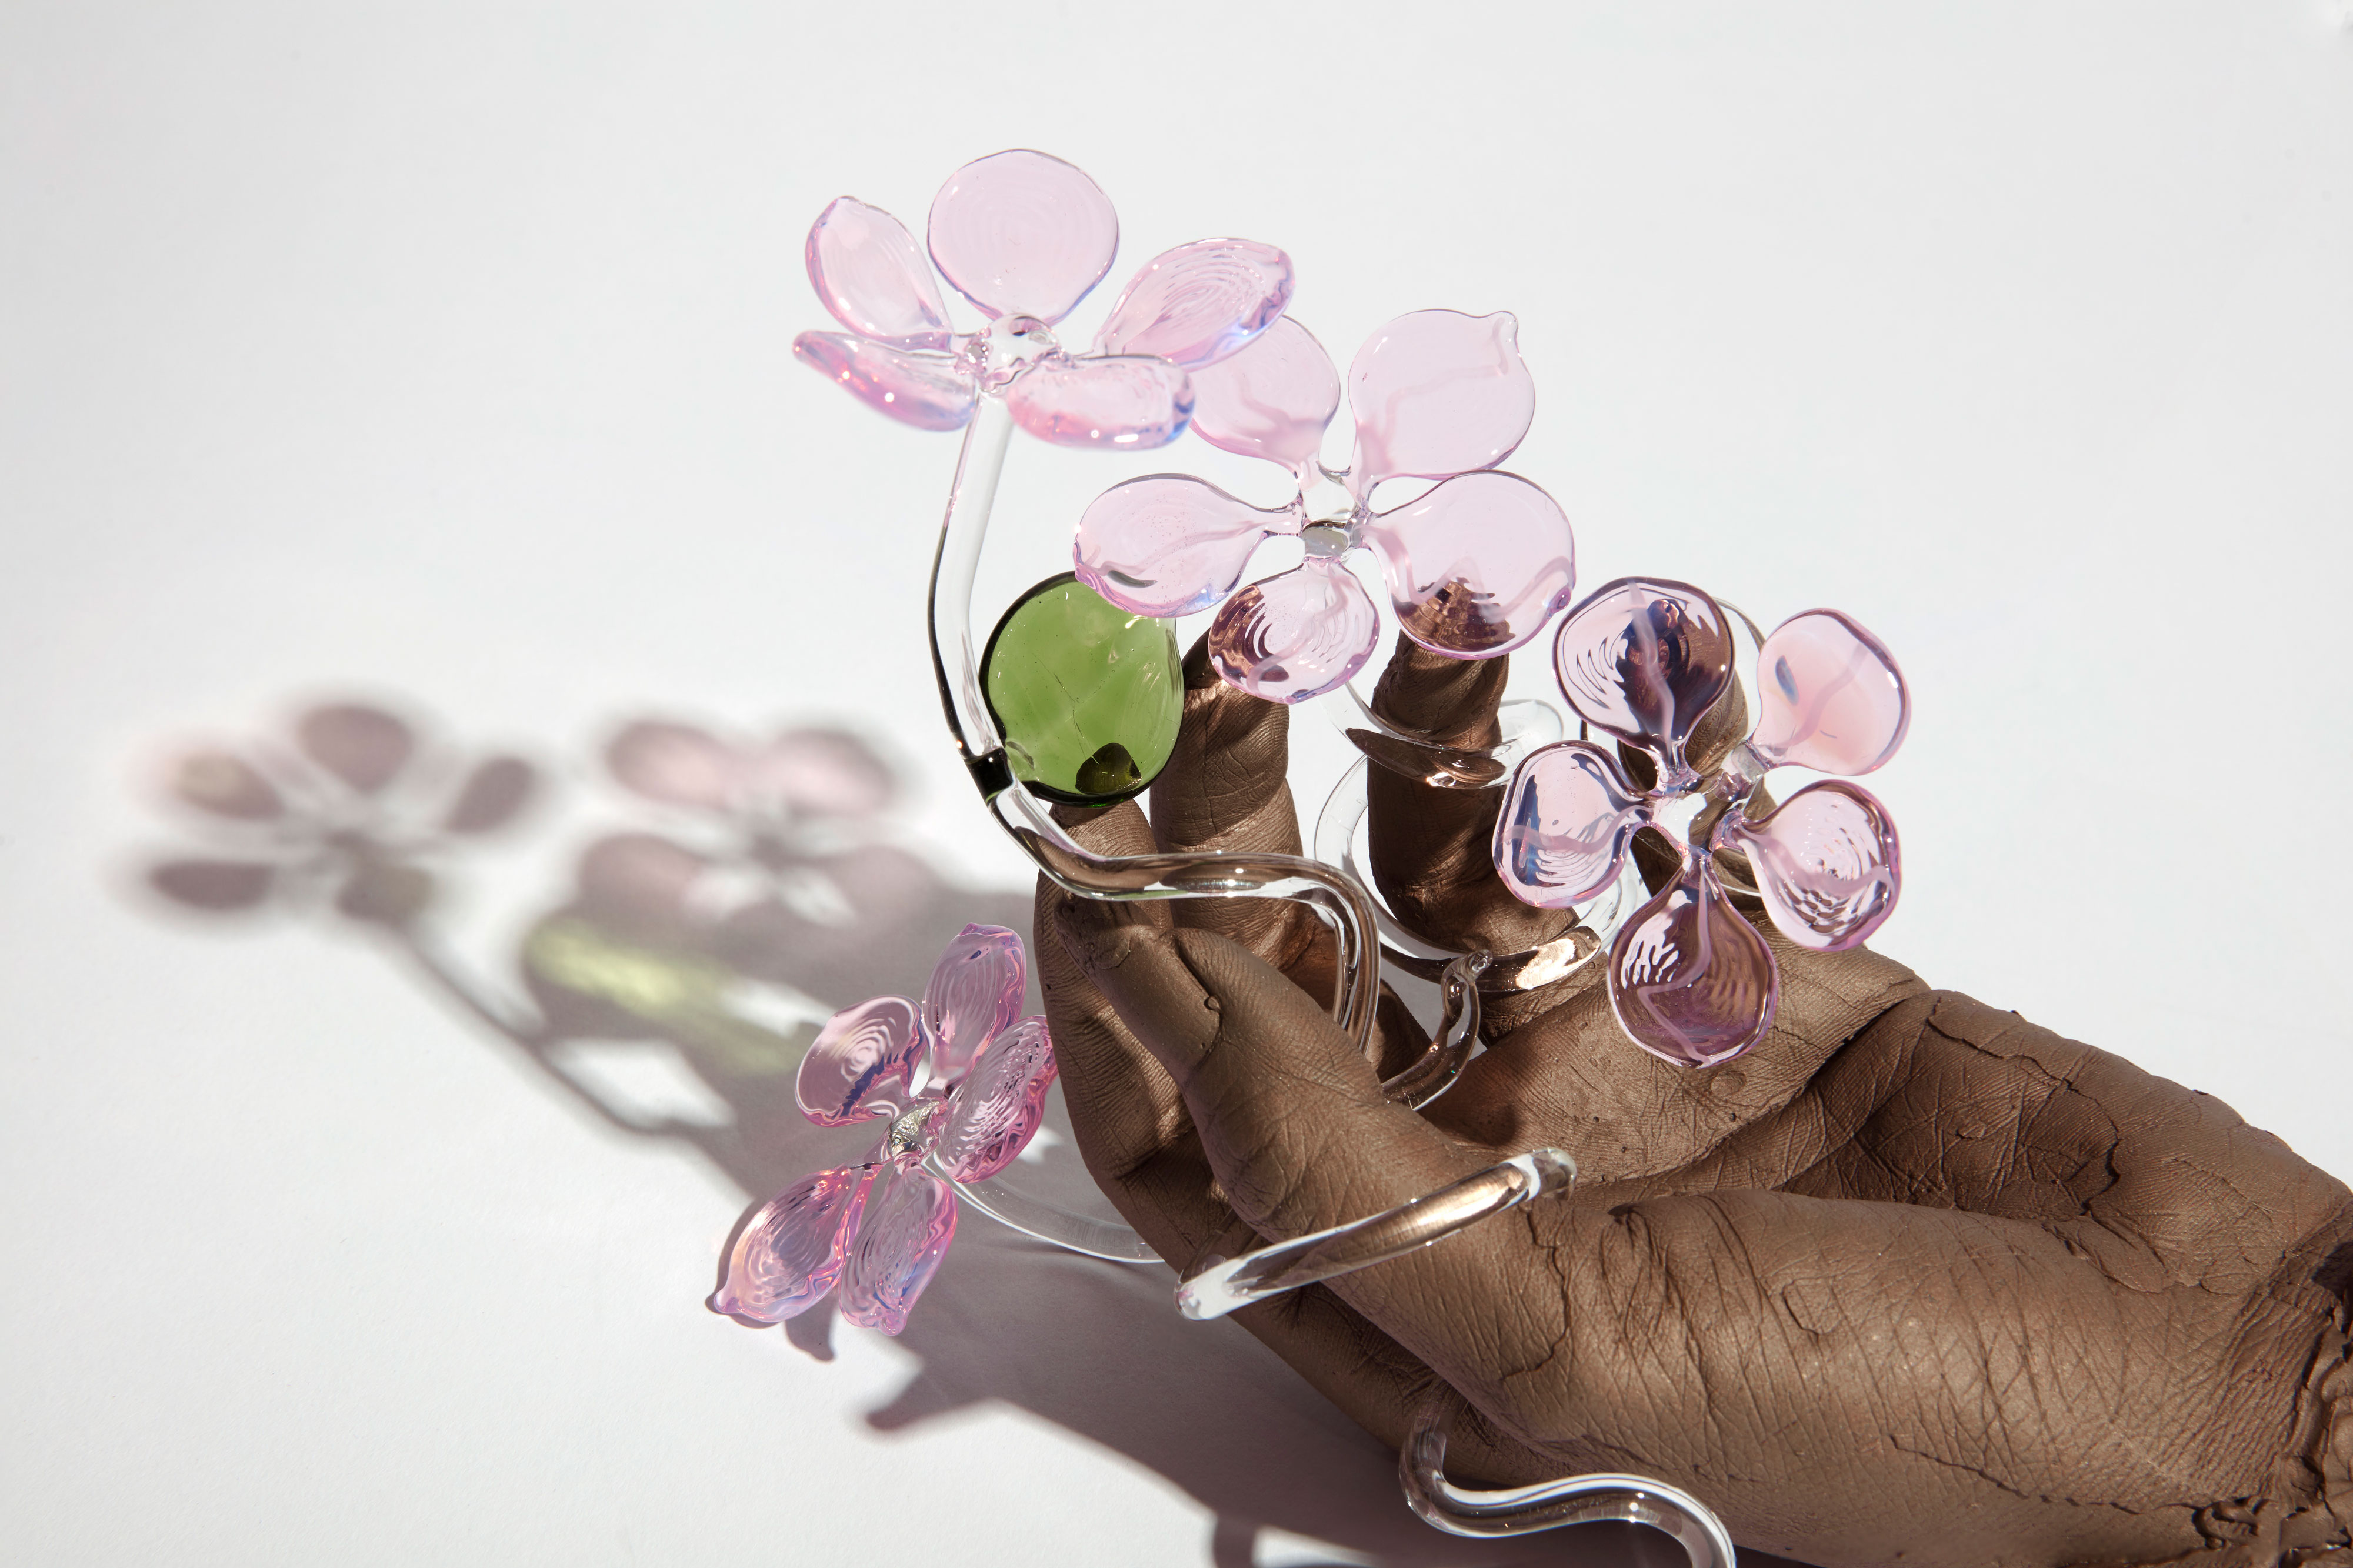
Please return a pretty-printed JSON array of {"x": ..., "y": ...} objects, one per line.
[{"x": 1911, "y": 1278}]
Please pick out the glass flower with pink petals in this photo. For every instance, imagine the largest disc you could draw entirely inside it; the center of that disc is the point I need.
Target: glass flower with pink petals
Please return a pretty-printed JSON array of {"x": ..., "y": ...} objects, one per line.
[
  {"x": 1643, "y": 661},
  {"x": 960, "y": 1088},
  {"x": 1475, "y": 566},
  {"x": 1025, "y": 236}
]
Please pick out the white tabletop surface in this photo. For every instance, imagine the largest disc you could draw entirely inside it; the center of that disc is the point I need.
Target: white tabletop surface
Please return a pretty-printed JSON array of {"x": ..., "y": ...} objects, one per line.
[{"x": 436, "y": 357}]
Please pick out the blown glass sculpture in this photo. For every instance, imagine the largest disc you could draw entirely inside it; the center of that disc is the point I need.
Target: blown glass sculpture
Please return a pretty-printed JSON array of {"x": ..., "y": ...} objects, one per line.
[
  {"x": 1643, "y": 662},
  {"x": 1025, "y": 236},
  {"x": 961, "y": 1089},
  {"x": 1475, "y": 566},
  {"x": 1077, "y": 700}
]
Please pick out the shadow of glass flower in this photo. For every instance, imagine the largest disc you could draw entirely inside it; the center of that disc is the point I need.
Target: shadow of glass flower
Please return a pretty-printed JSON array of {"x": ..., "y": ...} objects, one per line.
[{"x": 347, "y": 813}]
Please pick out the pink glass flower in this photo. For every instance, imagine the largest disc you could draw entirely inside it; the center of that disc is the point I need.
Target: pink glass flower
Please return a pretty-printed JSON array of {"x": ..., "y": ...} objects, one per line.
[
  {"x": 1025, "y": 236},
  {"x": 1642, "y": 661},
  {"x": 961, "y": 1088},
  {"x": 1475, "y": 566}
]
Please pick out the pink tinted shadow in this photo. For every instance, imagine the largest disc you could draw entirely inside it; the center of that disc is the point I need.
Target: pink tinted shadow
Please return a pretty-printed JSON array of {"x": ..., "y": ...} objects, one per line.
[
  {"x": 1437, "y": 393},
  {"x": 791, "y": 1253},
  {"x": 1168, "y": 545},
  {"x": 867, "y": 268},
  {"x": 1297, "y": 634},
  {"x": 1022, "y": 234},
  {"x": 974, "y": 994},
  {"x": 996, "y": 1110},
  {"x": 1566, "y": 820},
  {"x": 909, "y": 1219},
  {"x": 1131, "y": 403},
  {"x": 822, "y": 773},
  {"x": 1271, "y": 400},
  {"x": 862, "y": 1064},
  {"x": 1644, "y": 661},
  {"x": 677, "y": 764},
  {"x": 226, "y": 784},
  {"x": 1478, "y": 565},
  {"x": 1689, "y": 979},
  {"x": 364, "y": 746},
  {"x": 1828, "y": 697},
  {"x": 930, "y": 392},
  {"x": 1827, "y": 861},
  {"x": 1199, "y": 302}
]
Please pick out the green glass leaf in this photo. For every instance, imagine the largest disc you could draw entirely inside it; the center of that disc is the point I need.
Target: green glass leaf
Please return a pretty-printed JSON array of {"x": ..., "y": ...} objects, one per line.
[{"x": 1087, "y": 696}]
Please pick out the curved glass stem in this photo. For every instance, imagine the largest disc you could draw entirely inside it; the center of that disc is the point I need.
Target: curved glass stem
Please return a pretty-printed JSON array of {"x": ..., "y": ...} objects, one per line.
[
  {"x": 1332, "y": 895},
  {"x": 1336, "y": 897},
  {"x": 1217, "y": 1286},
  {"x": 1050, "y": 1222},
  {"x": 1547, "y": 1505}
]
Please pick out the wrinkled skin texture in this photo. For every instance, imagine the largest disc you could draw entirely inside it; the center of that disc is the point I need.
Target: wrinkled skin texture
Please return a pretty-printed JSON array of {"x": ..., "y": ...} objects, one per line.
[{"x": 1914, "y": 1280}]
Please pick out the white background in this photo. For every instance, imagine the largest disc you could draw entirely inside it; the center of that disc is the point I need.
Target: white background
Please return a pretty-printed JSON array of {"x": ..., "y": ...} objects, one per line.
[{"x": 440, "y": 353}]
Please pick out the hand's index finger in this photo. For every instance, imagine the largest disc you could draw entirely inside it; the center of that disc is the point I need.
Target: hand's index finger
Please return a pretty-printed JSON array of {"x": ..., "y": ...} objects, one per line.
[
  {"x": 1227, "y": 788},
  {"x": 1295, "y": 1125}
]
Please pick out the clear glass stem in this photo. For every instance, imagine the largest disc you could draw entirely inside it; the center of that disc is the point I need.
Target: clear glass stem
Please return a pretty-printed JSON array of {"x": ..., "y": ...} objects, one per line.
[
  {"x": 1332, "y": 895},
  {"x": 1547, "y": 1505},
  {"x": 971, "y": 500},
  {"x": 1050, "y": 1222},
  {"x": 1221, "y": 1285}
]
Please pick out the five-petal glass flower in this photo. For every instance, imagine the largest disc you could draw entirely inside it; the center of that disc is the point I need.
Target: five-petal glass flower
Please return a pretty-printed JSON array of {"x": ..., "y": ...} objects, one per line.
[
  {"x": 1643, "y": 661},
  {"x": 1475, "y": 566},
  {"x": 1025, "y": 236},
  {"x": 961, "y": 1088}
]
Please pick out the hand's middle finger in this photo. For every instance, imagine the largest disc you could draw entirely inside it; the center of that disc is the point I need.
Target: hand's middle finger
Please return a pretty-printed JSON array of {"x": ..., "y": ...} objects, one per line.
[{"x": 1432, "y": 849}]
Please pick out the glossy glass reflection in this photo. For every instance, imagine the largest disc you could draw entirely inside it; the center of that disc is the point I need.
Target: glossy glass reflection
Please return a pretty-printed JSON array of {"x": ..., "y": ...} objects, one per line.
[
  {"x": 1023, "y": 234},
  {"x": 1566, "y": 819},
  {"x": 1168, "y": 545},
  {"x": 1826, "y": 864},
  {"x": 1830, "y": 697},
  {"x": 1644, "y": 661},
  {"x": 1297, "y": 634},
  {"x": 1689, "y": 979}
]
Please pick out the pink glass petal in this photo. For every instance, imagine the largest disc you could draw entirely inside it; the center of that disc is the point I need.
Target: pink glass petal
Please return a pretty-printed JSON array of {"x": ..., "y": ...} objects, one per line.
[
  {"x": 1478, "y": 565},
  {"x": 994, "y": 1111},
  {"x": 1168, "y": 545},
  {"x": 1828, "y": 697},
  {"x": 1644, "y": 661},
  {"x": 909, "y": 1219},
  {"x": 1438, "y": 392},
  {"x": 1129, "y": 403},
  {"x": 1689, "y": 979},
  {"x": 1199, "y": 302},
  {"x": 861, "y": 1063},
  {"x": 975, "y": 994},
  {"x": 1022, "y": 234},
  {"x": 1297, "y": 634},
  {"x": 1827, "y": 861},
  {"x": 867, "y": 268},
  {"x": 1271, "y": 400},
  {"x": 930, "y": 392},
  {"x": 1566, "y": 820},
  {"x": 677, "y": 764},
  {"x": 791, "y": 1253}
]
